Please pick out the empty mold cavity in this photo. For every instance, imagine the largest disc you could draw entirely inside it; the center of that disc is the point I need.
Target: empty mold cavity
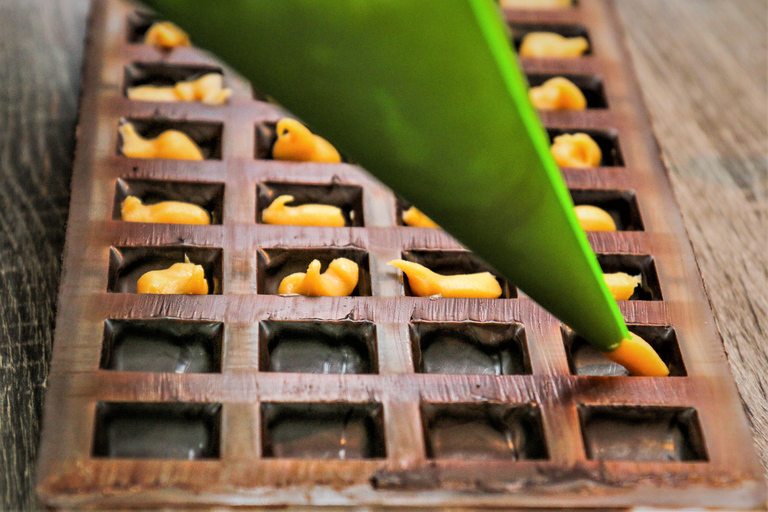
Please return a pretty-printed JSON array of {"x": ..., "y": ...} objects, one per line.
[
  {"x": 608, "y": 141},
  {"x": 483, "y": 431},
  {"x": 128, "y": 430},
  {"x": 584, "y": 359},
  {"x": 469, "y": 348},
  {"x": 207, "y": 135},
  {"x": 349, "y": 198},
  {"x": 162, "y": 345},
  {"x": 322, "y": 431},
  {"x": 317, "y": 347},
  {"x": 209, "y": 196},
  {"x": 138, "y": 24},
  {"x": 591, "y": 86},
  {"x": 520, "y": 30},
  {"x": 128, "y": 263},
  {"x": 621, "y": 205},
  {"x": 275, "y": 264},
  {"x": 634, "y": 265},
  {"x": 642, "y": 434},
  {"x": 162, "y": 74},
  {"x": 453, "y": 263}
]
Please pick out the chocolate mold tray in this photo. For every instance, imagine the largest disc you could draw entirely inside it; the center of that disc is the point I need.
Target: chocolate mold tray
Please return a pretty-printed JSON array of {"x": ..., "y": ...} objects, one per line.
[{"x": 245, "y": 398}]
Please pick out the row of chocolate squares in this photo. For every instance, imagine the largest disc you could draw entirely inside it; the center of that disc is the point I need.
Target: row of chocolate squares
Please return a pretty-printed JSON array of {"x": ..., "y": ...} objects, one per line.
[
  {"x": 341, "y": 276},
  {"x": 344, "y": 347},
  {"x": 170, "y": 83},
  {"x": 536, "y": 43},
  {"x": 294, "y": 142},
  {"x": 488, "y": 431},
  {"x": 278, "y": 212}
]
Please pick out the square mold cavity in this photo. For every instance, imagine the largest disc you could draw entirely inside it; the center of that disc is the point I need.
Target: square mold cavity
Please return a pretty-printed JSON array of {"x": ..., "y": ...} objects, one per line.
[
  {"x": 322, "y": 431},
  {"x": 128, "y": 263},
  {"x": 401, "y": 206},
  {"x": 277, "y": 263},
  {"x": 483, "y": 431},
  {"x": 206, "y": 134},
  {"x": 642, "y": 434},
  {"x": 584, "y": 359},
  {"x": 266, "y": 135},
  {"x": 634, "y": 264},
  {"x": 317, "y": 347},
  {"x": 130, "y": 430},
  {"x": 469, "y": 348},
  {"x": 162, "y": 345},
  {"x": 209, "y": 196},
  {"x": 621, "y": 205},
  {"x": 138, "y": 24},
  {"x": 349, "y": 198},
  {"x": 520, "y": 30},
  {"x": 453, "y": 263},
  {"x": 591, "y": 86},
  {"x": 608, "y": 141},
  {"x": 163, "y": 74}
]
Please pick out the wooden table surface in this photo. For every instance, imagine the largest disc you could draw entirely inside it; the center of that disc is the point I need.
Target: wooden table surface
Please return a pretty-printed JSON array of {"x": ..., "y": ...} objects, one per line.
[{"x": 703, "y": 68}]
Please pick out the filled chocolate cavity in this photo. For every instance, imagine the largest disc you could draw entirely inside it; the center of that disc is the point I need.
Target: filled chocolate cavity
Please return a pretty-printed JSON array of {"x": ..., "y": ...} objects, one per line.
[
  {"x": 455, "y": 262},
  {"x": 634, "y": 264},
  {"x": 483, "y": 431},
  {"x": 590, "y": 85},
  {"x": 349, "y": 198},
  {"x": 163, "y": 74},
  {"x": 607, "y": 140},
  {"x": 266, "y": 135},
  {"x": 128, "y": 263},
  {"x": 209, "y": 196},
  {"x": 162, "y": 345},
  {"x": 584, "y": 359},
  {"x": 469, "y": 348},
  {"x": 138, "y": 24},
  {"x": 520, "y": 30},
  {"x": 275, "y": 264},
  {"x": 642, "y": 434},
  {"x": 207, "y": 135},
  {"x": 129, "y": 430},
  {"x": 317, "y": 347},
  {"x": 322, "y": 431},
  {"x": 621, "y": 205}
]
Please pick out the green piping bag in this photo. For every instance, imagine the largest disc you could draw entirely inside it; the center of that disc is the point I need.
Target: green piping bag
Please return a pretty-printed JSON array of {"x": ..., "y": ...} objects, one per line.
[{"x": 427, "y": 96}]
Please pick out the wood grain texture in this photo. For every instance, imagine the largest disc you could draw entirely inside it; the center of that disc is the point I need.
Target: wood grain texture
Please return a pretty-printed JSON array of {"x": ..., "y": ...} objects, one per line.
[
  {"x": 703, "y": 70},
  {"x": 40, "y": 54},
  {"x": 708, "y": 105}
]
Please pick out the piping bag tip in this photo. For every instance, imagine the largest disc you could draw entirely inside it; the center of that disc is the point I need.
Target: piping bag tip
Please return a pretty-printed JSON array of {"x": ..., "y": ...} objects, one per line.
[{"x": 638, "y": 357}]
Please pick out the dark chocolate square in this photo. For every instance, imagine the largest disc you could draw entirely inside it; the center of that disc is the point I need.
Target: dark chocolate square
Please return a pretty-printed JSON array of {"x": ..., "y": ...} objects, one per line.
[
  {"x": 349, "y": 198},
  {"x": 642, "y": 434},
  {"x": 452, "y": 263},
  {"x": 483, "y": 431},
  {"x": 469, "y": 348},
  {"x": 128, "y": 263},
  {"x": 129, "y": 430},
  {"x": 317, "y": 347},
  {"x": 277, "y": 263},
  {"x": 162, "y": 345},
  {"x": 323, "y": 431},
  {"x": 209, "y": 196}
]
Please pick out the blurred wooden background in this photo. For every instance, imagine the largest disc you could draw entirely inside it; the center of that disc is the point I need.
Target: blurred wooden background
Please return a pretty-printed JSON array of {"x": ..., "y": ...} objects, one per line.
[{"x": 703, "y": 68}]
